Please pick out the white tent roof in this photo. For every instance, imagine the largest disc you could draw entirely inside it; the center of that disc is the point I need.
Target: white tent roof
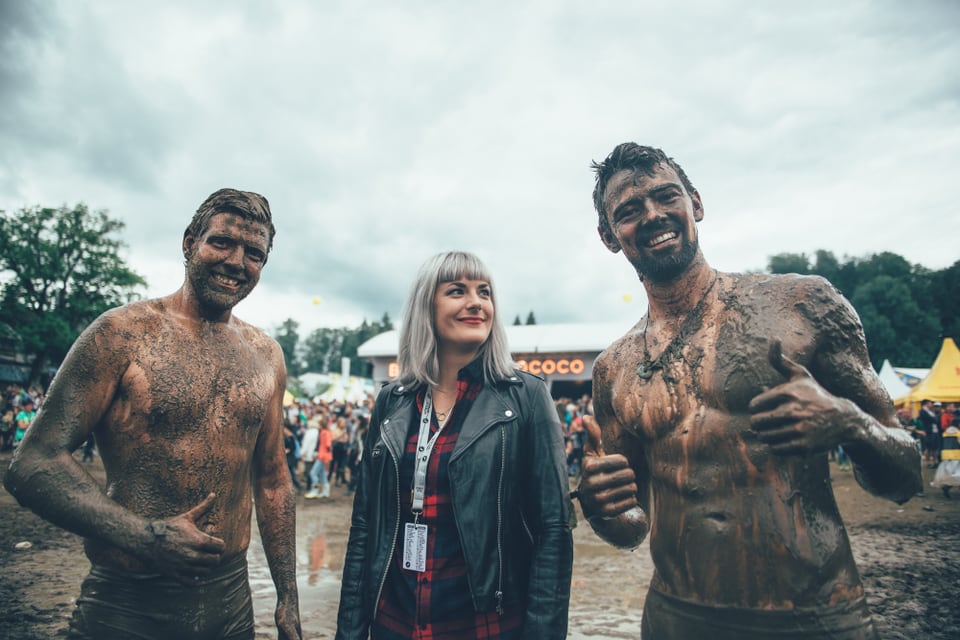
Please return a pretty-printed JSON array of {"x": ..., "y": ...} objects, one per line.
[
  {"x": 529, "y": 338},
  {"x": 894, "y": 385}
]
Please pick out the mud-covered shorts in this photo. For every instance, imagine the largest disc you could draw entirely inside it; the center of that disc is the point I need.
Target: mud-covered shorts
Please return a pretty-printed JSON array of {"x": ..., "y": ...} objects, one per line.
[
  {"x": 668, "y": 618},
  {"x": 116, "y": 604}
]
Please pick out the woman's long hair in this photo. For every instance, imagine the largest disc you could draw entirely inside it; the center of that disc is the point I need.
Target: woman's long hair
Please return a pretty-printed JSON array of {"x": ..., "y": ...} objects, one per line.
[{"x": 417, "y": 359}]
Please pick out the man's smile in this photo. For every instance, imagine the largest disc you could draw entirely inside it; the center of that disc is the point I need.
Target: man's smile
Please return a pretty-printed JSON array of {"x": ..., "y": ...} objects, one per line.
[
  {"x": 226, "y": 281},
  {"x": 660, "y": 238}
]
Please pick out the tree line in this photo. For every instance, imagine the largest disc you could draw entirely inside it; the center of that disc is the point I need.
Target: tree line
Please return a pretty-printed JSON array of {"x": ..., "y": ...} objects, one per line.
[
  {"x": 61, "y": 267},
  {"x": 906, "y": 309},
  {"x": 322, "y": 350}
]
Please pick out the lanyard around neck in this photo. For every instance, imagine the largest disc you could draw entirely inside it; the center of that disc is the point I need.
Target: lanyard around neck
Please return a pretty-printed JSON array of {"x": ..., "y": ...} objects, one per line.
[{"x": 425, "y": 444}]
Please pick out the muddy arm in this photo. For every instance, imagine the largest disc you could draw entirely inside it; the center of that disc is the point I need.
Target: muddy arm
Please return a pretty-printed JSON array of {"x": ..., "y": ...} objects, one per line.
[
  {"x": 275, "y": 503},
  {"x": 838, "y": 399},
  {"x": 43, "y": 475},
  {"x": 614, "y": 485}
]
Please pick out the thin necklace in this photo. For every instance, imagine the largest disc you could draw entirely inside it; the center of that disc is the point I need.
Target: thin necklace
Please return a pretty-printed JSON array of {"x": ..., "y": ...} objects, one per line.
[
  {"x": 674, "y": 350},
  {"x": 442, "y": 415}
]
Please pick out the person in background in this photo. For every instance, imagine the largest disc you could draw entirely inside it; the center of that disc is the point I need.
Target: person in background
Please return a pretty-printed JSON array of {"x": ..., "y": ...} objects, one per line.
[
  {"x": 318, "y": 473},
  {"x": 460, "y": 521},
  {"x": 308, "y": 450},
  {"x": 947, "y": 417},
  {"x": 340, "y": 435},
  {"x": 185, "y": 401},
  {"x": 291, "y": 448},
  {"x": 8, "y": 426},
  {"x": 947, "y": 475},
  {"x": 23, "y": 420},
  {"x": 929, "y": 422}
]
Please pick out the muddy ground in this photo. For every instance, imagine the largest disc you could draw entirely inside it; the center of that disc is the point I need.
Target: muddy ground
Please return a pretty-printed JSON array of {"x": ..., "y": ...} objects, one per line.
[{"x": 909, "y": 557}]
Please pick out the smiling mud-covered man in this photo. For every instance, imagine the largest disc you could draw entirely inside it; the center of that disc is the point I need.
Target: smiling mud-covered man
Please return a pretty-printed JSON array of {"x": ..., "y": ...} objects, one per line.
[
  {"x": 184, "y": 401},
  {"x": 716, "y": 413}
]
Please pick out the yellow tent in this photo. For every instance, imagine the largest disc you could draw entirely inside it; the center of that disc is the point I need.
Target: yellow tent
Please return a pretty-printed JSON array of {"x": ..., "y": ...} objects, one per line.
[
  {"x": 288, "y": 399},
  {"x": 942, "y": 384}
]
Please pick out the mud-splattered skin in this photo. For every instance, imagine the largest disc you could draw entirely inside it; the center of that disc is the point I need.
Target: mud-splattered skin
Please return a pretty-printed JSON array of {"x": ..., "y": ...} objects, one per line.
[
  {"x": 727, "y": 442},
  {"x": 185, "y": 402},
  {"x": 184, "y": 421}
]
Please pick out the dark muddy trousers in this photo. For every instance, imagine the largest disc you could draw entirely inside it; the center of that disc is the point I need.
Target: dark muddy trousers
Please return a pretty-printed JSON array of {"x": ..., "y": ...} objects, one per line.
[
  {"x": 120, "y": 605},
  {"x": 669, "y": 618}
]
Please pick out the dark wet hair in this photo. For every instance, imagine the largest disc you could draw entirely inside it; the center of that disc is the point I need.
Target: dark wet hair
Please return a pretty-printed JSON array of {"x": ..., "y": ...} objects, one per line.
[
  {"x": 635, "y": 157},
  {"x": 248, "y": 204}
]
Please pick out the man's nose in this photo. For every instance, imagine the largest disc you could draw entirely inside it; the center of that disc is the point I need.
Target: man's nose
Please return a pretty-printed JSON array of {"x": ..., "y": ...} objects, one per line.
[
  {"x": 235, "y": 258},
  {"x": 653, "y": 212}
]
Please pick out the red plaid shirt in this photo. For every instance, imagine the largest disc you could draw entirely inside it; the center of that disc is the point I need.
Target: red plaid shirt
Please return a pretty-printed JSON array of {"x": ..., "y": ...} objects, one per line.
[{"x": 436, "y": 604}]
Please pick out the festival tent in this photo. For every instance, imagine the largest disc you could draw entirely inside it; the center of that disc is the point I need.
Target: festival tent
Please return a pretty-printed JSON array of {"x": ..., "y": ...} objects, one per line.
[
  {"x": 942, "y": 384},
  {"x": 910, "y": 376},
  {"x": 891, "y": 381}
]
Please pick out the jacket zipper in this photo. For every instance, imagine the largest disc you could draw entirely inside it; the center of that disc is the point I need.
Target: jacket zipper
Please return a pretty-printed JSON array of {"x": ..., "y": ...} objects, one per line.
[
  {"x": 396, "y": 530},
  {"x": 503, "y": 463}
]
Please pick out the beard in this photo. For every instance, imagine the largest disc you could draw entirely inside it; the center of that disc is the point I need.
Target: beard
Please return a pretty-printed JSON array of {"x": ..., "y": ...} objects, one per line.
[
  {"x": 208, "y": 293},
  {"x": 668, "y": 267}
]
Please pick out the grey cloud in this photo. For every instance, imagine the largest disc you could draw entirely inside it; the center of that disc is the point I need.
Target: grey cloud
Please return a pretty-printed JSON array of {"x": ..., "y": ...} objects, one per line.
[{"x": 383, "y": 133}]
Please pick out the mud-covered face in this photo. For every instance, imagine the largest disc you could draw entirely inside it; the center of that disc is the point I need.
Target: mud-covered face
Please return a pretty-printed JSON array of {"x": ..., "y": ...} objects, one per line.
[
  {"x": 652, "y": 220},
  {"x": 224, "y": 264}
]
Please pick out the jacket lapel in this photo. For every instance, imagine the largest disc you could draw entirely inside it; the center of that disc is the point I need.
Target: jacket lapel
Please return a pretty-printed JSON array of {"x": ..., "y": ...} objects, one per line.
[{"x": 489, "y": 409}]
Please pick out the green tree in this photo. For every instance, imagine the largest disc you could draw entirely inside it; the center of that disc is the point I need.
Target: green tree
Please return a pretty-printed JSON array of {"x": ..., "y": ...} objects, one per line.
[
  {"x": 944, "y": 287},
  {"x": 353, "y": 339},
  {"x": 386, "y": 324},
  {"x": 904, "y": 308},
  {"x": 895, "y": 326},
  {"x": 531, "y": 319},
  {"x": 789, "y": 263},
  {"x": 60, "y": 269},
  {"x": 826, "y": 264},
  {"x": 516, "y": 321},
  {"x": 288, "y": 338},
  {"x": 324, "y": 347}
]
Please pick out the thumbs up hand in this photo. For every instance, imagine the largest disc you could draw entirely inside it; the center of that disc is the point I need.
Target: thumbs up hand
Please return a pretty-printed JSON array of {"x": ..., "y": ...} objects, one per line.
[
  {"x": 799, "y": 416},
  {"x": 608, "y": 485}
]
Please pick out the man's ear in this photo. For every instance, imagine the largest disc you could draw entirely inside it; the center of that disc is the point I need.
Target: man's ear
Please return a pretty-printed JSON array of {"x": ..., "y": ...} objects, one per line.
[
  {"x": 187, "y": 245},
  {"x": 609, "y": 240},
  {"x": 697, "y": 206}
]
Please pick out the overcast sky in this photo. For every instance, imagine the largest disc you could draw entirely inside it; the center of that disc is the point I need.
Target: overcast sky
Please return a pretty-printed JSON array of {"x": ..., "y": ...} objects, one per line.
[{"x": 384, "y": 132}]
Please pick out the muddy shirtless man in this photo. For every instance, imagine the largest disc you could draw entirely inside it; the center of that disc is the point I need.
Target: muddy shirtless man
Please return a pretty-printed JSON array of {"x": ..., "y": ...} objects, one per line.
[
  {"x": 716, "y": 413},
  {"x": 184, "y": 401}
]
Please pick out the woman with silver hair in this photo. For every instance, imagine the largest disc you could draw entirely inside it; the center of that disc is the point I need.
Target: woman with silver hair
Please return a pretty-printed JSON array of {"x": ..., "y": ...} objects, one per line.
[{"x": 460, "y": 523}]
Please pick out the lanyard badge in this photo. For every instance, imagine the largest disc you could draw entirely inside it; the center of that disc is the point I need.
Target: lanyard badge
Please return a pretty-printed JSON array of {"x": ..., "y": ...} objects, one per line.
[{"x": 415, "y": 534}]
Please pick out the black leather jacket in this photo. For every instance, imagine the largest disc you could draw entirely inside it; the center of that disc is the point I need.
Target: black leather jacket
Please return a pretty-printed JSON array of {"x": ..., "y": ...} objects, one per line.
[{"x": 509, "y": 488}]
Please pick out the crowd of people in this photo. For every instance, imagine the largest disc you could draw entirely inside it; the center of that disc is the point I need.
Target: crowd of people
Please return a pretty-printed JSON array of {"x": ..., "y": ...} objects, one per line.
[
  {"x": 323, "y": 442},
  {"x": 935, "y": 428},
  {"x": 574, "y": 414},
  {"x": 19, "y": 409},
  {"x": 928, "y": 425}
]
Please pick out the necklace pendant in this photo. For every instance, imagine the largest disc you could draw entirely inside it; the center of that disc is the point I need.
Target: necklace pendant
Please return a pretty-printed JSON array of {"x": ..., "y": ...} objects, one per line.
[{"x": 644, "y": 373}]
